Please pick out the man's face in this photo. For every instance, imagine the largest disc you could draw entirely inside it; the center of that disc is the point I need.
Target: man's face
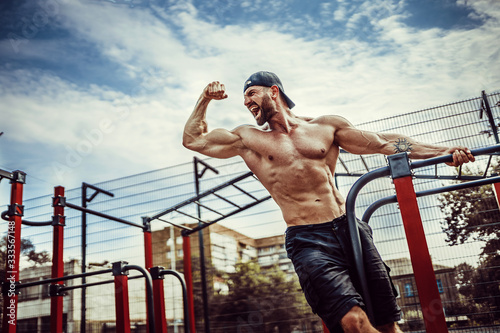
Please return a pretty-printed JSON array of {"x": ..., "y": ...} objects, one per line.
[{"x": 258, "y": 101}]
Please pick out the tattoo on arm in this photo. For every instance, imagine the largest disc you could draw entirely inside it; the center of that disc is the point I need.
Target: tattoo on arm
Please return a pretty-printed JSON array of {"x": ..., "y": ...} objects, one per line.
[{"x": 402, "y": 145}]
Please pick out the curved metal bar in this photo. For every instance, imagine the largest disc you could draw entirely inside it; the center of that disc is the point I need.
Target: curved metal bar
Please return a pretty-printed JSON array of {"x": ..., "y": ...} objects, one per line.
[
  {"x": 184, "y": 295},
  {"x": 149, "y": 294},
  {"x": 5, "y": 216},
  {"x": 354, "y": 232},
  {"x": 36, "y": 224}
]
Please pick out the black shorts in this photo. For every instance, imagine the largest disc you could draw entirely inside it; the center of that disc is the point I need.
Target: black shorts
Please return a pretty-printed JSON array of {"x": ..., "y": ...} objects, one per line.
[{"x": 323, "y": 260}]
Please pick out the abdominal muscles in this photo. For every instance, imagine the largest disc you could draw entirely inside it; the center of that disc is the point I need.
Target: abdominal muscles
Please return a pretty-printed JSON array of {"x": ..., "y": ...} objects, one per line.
[{"x": 305, "y": 192}]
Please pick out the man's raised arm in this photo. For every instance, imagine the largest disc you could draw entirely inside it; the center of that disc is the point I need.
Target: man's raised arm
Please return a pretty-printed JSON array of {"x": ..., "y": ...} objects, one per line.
[
  {"x": 357, "y": 141},
  {"x": 218, "y": 143}
]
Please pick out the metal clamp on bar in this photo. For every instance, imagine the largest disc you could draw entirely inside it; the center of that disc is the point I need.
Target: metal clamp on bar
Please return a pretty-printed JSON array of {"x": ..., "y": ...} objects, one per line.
[
  {"x": 156, "y": 273},
  {"x": 18, "y": 177},
  {"x": 55, "y": 290},
  {"x": 59, "y": 202},
  {"x": 118, "y": 268},
  {"x": 399, "y": 165},
  {"x": 59, "y": 220},
  {"x": 146, "y": 222},
  {"x": 15, "y": 210}
]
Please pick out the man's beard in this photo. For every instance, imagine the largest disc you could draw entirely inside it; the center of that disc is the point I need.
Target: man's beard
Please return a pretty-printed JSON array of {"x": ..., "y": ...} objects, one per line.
[{"x": 266, "y": 111}]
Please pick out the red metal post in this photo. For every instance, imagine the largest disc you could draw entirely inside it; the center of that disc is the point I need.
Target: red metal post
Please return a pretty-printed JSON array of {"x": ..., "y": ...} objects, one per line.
[
  {"x": 121, "y": 304},
  {"x": 428, "y": 293},
  {"x": 13, "y": 253},
  {"x": 188, "y": 276},
  {"x": 159, "y": 300},
  {"x": 58, "y": 222},
  {"x": 148, "y": 250},
  {"x": 148, "y": 260}
]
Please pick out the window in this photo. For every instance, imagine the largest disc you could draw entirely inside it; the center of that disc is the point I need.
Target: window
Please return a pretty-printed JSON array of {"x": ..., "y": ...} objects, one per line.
[
  {"x": 27, "y": 325},
  {"x": 398, "y": 292},
  {"x": 440, "y": 286},
  {"x": 409, "y": 290}
]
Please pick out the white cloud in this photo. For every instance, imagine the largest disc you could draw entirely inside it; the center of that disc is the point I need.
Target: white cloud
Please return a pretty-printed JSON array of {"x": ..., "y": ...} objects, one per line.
[{"x": 171, "y": 55}]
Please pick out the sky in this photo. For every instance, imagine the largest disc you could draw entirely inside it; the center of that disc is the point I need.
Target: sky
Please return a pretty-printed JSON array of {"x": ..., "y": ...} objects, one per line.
[{"x": 92, "y": 90}]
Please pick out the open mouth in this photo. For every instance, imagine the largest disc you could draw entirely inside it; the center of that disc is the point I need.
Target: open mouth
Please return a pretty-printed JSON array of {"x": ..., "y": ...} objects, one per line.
[{"x": 256, "y": 111}]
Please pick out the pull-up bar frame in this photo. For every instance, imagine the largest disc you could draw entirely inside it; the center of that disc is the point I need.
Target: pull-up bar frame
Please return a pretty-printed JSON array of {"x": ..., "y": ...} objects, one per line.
[
  {"x": 187, "y": 231},
  {"x": 400, "y": 169}
]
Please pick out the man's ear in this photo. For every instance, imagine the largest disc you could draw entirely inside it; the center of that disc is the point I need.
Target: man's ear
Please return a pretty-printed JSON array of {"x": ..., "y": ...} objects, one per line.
[{"x": 275, "y": 92}]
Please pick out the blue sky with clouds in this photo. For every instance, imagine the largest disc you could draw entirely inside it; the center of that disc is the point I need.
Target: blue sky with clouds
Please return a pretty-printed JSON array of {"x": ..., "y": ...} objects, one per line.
[{"x": 93, "y": 90}]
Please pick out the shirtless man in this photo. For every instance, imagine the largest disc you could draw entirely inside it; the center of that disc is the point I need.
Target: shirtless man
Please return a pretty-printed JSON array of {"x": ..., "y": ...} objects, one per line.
[{"x": 295, "y": 159}]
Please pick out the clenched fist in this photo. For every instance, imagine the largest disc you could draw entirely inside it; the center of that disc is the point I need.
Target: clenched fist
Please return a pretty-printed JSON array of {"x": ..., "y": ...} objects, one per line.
[{"x": 215, "y": 90}]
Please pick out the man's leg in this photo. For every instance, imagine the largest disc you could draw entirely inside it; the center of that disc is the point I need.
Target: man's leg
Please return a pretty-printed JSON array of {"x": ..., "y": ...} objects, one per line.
[
  {"x": 356, "y": 321},
  {"x": 389, "y": 328}
]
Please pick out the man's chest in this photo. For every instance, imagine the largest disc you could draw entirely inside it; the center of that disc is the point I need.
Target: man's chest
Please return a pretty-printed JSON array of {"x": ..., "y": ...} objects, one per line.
[{"x": 301, "y": 143}]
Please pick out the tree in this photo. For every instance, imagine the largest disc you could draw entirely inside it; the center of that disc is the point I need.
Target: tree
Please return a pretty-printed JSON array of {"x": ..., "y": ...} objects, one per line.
[
  {"x": 473, "y": 215},
  {"x": 27, "y": 250},
  {"x": 258, "y": 301}
]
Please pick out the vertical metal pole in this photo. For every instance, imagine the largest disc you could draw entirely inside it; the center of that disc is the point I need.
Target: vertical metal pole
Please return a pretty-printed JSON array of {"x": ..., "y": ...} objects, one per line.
[
  {"x": 121, "y": 298},
  {"x": 58, "y": 222},
  {"x": 188, "y": 275},
  {"x": 197, "y": 176},
  {"x": 83, "y": 319},
  {"x": 159, "y": 299},
  {"x": 148, "y": 260},
  {"x": 86, "y": 200},
  {"x": 13, "y": 253},
  {"x": 202, "y": 256},
  {"x": 428, "y": 292}
]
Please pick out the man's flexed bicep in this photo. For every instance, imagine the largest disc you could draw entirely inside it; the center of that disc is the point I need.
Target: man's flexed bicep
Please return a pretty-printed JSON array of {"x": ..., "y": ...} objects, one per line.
[{"x": 218, "y": 143}]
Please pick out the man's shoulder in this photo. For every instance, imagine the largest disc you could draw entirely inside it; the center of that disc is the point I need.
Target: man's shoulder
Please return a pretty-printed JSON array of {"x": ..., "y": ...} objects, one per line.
[
  {"x": 250, "y": 130},
  {"x": 330, "y": 120}
]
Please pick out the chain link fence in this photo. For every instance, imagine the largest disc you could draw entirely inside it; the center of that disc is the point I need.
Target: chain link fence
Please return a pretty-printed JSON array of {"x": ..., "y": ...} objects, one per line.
[{"x": 466, "y": 272}]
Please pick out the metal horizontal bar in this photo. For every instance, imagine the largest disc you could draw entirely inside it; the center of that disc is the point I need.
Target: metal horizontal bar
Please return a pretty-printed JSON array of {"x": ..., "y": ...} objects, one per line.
[
  {"x": 6, "y": 174},
  {"x": 227, "y": 215},
  {"x": 63, "y": 278},
  {"x": 449, "y": 158},
  {"x": 191, "y": 216},
  {"x": 103, "y": 215},
  {"x": 245, "y": 192},
  {"x": 175, "y": 224},
  {"x": 202, "y": 195},
  {"x": 226, "y": 200},
  {"x": 92, "y": 284},
  {"x": 208, "y": 208}
]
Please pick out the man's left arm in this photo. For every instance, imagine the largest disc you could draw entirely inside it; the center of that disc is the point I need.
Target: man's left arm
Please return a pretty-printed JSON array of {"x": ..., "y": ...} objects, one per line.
[{"x": 357, "y": 141}]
